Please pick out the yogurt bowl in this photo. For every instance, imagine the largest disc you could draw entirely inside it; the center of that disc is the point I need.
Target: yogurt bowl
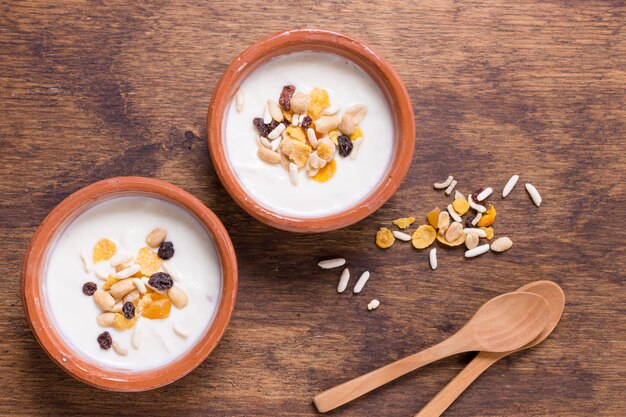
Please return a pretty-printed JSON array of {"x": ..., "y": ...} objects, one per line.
[
  {"x": 129, "y": 283},
  {"x": 320, "y": 174}
]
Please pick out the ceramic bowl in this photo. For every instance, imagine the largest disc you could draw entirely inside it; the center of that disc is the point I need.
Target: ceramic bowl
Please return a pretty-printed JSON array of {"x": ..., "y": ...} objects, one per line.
[
  {"x": 321, "y": 41},
  {"x": 35, "y": 303}
]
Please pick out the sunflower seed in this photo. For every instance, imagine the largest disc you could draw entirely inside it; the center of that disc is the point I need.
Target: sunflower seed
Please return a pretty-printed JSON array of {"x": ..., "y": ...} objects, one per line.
[
  {"x": 267, "y": 116},
  {"x": 478, "y": 250},
  {"x": 86, "y": 262},
  {"x": 180, "y": 331},
  {"x": 433, "y": 258},
  {"x": 119, "y": 350},
  {"x": 125, "y": 273},
  {"x": 450, "y": 187},
  {"x": 373, "y": 305},
  {"x": 343, "y": 280},
  {"x": 454, "y": 214},
  {"x": 476, "y": 219},
  {"x": 293, "y": 173},
  {"x": 534, "y": 194},
  {"x": 295, "y": 119},
  {"x": 402, "y": 236},
  {"x": 331, "y": 263},
  {"x": 275, "y": 112},
  {"x": 239, "y": 101},
  {"x": 509, "y": 185},
  {"x": 121, "y": 258},
  {"x": 140, "y": 285},
  {"x": 358, "y": 287},
  {"x": 276, "y": 132},
  {"x": 276, "y": 143},
  {"x": 479, "y": 232},
  {"x": 356, "y": 146},
  {"x": 484, "y": 194},
  {"x": 310, "y": 133},
  {"x": 477, "y": 207},
  {"x": 264, "y": 142},
  {"x": 442, "y": 185},
  {"x": 501, "y": 244}
]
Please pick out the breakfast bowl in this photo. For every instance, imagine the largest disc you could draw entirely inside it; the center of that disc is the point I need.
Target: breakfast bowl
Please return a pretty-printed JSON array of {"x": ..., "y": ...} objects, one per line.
[
  {"x": 310, "y": 130},
  {"x": 129, "y": 283}
]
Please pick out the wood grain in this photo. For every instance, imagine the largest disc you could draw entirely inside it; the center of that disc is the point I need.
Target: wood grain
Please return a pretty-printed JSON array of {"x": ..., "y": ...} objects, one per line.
[{"x": 93, "y": 89}]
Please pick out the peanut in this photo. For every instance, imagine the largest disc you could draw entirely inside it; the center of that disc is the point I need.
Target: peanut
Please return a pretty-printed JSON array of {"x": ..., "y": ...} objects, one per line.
[
  {"x": 103, "y": 300},
  {"x": 347, "y": 125},
  {"x": 275, "y": 111},
  {"x": 178, "y": 297},
  {"x": 156, "y": 237},
  {"x": 443, "y": 221},
  {"x": 268, "y": 155},
  {"x": 300, "y": 102},
  {"x": 471, "y": 240},
  {"x": 454, "y": 231},
  {"x": 105, "y": 319},
  {"x": 501, "y": 244},
  {"x": 357, "y": 112},
  {"x": 123, "y": 287},
  {"x": 132, "y": 296},
  {"x": 327, "y": 123}
]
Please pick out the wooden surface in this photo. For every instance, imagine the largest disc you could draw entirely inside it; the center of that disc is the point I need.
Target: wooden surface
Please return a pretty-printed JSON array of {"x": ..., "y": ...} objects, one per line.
[{"x": 93, "y": 89}]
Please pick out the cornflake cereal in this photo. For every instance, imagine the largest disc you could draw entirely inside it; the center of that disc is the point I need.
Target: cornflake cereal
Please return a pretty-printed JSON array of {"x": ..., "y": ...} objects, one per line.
[
  {"x": 302, "y": 132},
  {"x": 404, "y": 222},
  {"x": 120, "y": 302},
  {"x": 384, "y": 238},
  {"x": 424, "y": 236}
]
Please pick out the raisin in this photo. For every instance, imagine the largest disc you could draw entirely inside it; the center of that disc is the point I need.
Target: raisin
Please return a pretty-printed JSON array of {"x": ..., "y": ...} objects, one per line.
[
  {"x": 166, "y": 250},
  {"x": 475, "y": 194},
  {"x": 468, "y": 221},
  {"x": 261, "y": 127},
  {"x": 345, "y": 145},
  {"x": 306, "y": 122},
  {"x": 129, "y": 310},
  {"x": 104, "y": 340},
  {"x": 161, "y": 281},
  {"x": 285, "y": 97},
  {"x": 89, "y": 288}
]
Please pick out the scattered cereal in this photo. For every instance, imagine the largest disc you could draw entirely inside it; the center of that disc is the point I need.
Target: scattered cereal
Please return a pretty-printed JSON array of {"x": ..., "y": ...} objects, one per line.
[
  {"x": 148, "y": 261},
  {"x": 135, "y": 338},
  {"x": 478, "y": 250},
  {"x": 404, "y": 222},
  {"x": 488, "y": 232},
  {"x": 104, "y": 250},
  {"x": 86, "y": 262},
  {"x": 331, "y": 263},
  {"x": 432, "y": 256},
  {"x": 180, "y": 331},
  {"x": 509, "y": 185},
  {"x": 239, "y": 101},
  {"x": 343, "y": 280},
  {"x": 453, "y": 213},
  {"x": 534, "y": 194},
  {"x": 384, "y": 238},
  {"x": 320, "y": 101},
  {"x": 488, "y": 217},
  {"x": 460, "y": 204},
  {"x": 479, "y": 232},
  {"x": 433, "y": 217},
  {"x": 486, "y": 192},
  {"x": 119, "y": 350},
  {"x": 401, "y": 235},
  {"x": 121, "y": 258},
  {"x": 358, "y": 287},
  {"x": 325, "y": 173},
  {"x": 459, "y": 241},
  {"x": 479, "y": 208},
  {"x": 127, "y": 272},
  {"x": 158, "y": 309},
  {"x": 424, "y": 236},
  {"x": 122, "y": 323},
  {"x": 450, "y": 187}
]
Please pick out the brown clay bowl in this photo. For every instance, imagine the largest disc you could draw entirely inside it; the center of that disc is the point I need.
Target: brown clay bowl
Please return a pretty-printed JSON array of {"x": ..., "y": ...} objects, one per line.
[
  {"x": 35, "y": 303},
  {"x": 322, "y": 41}
]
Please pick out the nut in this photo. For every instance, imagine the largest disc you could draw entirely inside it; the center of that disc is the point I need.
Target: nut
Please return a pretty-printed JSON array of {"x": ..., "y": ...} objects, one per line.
[
  {"x": 315, "y": 161},
  {"x": 454, "y": 231},
  {"x": 501, "y": 244},
  {"x": 268, "y": 155},
  {"x": 132, "y": 296},
  {"x": 178, "y": 297},
  {"x": 156, "y": 237},
  {"x": 471, "y": 240},
  {"x": 357, "y": 112},
  {"x": 327, "y": 123},
  {"x": 103, "y": 300},
  {"x": 122, "y": 288},
  {"x": 105, "y": 319},
  {"x": 275, "y": 111},
  {"x": 347, "y": 125},
  {"x": 443, "y": 221},
  {"x": 300, "y": 102}
]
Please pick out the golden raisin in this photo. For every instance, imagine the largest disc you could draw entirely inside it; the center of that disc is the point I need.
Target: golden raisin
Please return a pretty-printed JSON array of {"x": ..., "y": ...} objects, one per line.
[
  {"x": 104, "y": 250},
  {"x": 424, "y": 236},
  {"x": 159, "y": 309},
  {"x": 404, "y": 222},
  {"x": 460, "y": 205},
  {"x": 356, "y": 134},
  {"x": 320, "y": 101},
  {"x": 433, "y": 217},
  {"x": 326, "y": 172},
  {"x": 384, "y": 238},
  {"x": 488, "y": 217},
  {"x": 148, "y": 261},
  {"x": 296, "y": 132}
]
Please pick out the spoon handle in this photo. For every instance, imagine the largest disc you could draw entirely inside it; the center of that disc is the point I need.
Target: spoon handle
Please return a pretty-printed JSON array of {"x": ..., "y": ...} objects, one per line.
[
  {"x": 460, "y": 383},
  {"x": 354, "y": 388}
]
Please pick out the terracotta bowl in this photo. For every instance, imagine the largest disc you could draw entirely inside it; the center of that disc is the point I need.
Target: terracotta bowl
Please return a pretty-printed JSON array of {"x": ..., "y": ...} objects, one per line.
[
  {"x": 35, "y": 303},
  {"x": 321, "y": 41}
]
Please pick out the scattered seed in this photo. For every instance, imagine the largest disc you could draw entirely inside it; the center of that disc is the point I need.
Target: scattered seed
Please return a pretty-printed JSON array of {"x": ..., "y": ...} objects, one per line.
[
  {"x": 295, "y": 119},
  {"x": 433, "y": 258},
  {"x": 274, "y": 111},
  {"x": 373, "y": 305},
  {"x": 357, "y": 144},
  {"x": 239, "y": 101},
  {"x": 401, "y": 235},
  {"x": 119, "y": 350},
  {"x": 276, "y": 132},
  {"x": 479, "y": 232},
  {"x": 358, "y": 287},
  {"x": 534, "y": 194},
  {"x": 293, "y": 173},
  {"x": 136, "y": 337},
  {"x": 331, "y": 263},
  {"x": 276, "y": 143},
  {"x": 343, "y": 280},
  {"x": 140, "y": 286},
  {"x": 454, "y": 214},
  {"x": 478, "y": 250},
  {"x": 509, "y": 185},
  {"x": 121, "y": 258},
  {"x": 264, "y": 142},
  {"x": 501, "y": 244},
  {"x": 450, "y": 187},
  {"x": 89, "y": 288},
  {"x": 476, "y": 219},
  {"x": 477, "y": 207},
  {"x": 471, "y": 240},
  {"x": 445, "y": 184},
  {"x": 484, "y": 194},
  {"x": 310, "y": 133},
  {"x": 104, "y": 340},
  {"x": 86, "y": 262},
  {"x": 127, "y": 272},
  {"x": 101, "y": 272}
]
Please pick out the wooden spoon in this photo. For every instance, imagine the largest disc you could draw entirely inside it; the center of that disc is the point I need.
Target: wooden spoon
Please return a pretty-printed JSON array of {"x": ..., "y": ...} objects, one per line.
[
  {"x": 504, "y": 323},
  {"x": 556, "y": 302}
]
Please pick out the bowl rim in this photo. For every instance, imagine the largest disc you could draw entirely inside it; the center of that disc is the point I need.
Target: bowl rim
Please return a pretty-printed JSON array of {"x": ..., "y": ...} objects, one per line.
[
  {"x": 33, "y": 300},
  {"x": 364, "y": 56}
]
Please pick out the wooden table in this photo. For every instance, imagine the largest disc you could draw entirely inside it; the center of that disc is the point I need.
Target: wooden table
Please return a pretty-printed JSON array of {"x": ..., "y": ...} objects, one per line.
[{"x": 90, "y": 90}]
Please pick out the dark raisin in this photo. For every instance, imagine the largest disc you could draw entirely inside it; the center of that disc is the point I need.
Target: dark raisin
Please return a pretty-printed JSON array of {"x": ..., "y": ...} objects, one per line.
[
  {"x": 166, "y": 250},
  {"x": 285, "y": 97},
  {"x": 475, "y": 194},
  {"x": 468, "y": 221},
  {"x": 89, "y": 288},
  {"x": 306, "y": 122},
  {"x": 272, "y": 125},
  {"x": 161, "y": 281},
  {"x": 261, "y": 127},
  {"x": 129, "y": 310},
  {"x": 345, "y": 145},
  {"x": 104, "y": 340}
]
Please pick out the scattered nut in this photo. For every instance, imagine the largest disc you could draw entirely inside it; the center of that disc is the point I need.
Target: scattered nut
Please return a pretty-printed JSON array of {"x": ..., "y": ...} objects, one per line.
[
  {"x": 178, "y": 297},
  {"x": 268, "y": 155},
  {"x": 471, "y": 240},
  {"x": 103, "y": 300},
  {"x": 300, "y": 102},
  {"x": 357, "y": 112},
  {"x": 501, "y": 244},
  {"x": 347, "y": 125},
  {"x": 275, "y": 111},
  {"x": 443, "y": 221},
  {"x": 326, "y": 123},
  {"x": 123, "y": 287},
  {"x": 105, "y": 319},
  {"x": 454, "y": 231}
]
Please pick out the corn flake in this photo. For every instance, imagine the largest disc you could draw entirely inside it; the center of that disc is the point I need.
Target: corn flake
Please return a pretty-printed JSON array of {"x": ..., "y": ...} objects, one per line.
[
  {"x": 320, "y": 101},
  {"x": 122, "y": 323},
  {"x": 159, "y": 309},
  {"x": 297, "y": 151},
  {"x": 109, "y": 282},
  {"x": 384, "y": 238},
  {"x": 358, "y": 133},
  {"x": 488, "y": 231},
  {"x": 404, "y": 222},
  {"x": 104, "y": 250},
  {"x": 424, "y": 236},
  {"x": 433, "y": 217},
  {"x": 460, "y": 205},
  {"x": 325, "y": 150},
  {"x": 488, "y": 217},
  {"x": 148, "y": 261},
  {"x": 296, "y": 132},
  {"x": 458, "y": 241},
  {"x": 334, "y": 136},
  {"x": 325, "y": 173}
]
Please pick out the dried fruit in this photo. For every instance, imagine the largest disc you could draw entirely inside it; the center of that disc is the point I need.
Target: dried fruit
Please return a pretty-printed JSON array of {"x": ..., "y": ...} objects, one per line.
[
  {"x": 476, "y": 193},
  {"x": 433, "y": 217},
  {"x": 104, "y": 340},
  {"x": 488, "y": 232},
  {"x": 122, "y": 323},
  {"x": 404, "y": 222},
  {"x": 356, "y": 134},
  {"x": 320, "y": 101},
  {"x": 296, "y": 151},
  {"x": 104, "y": 250},
  {"x": 148, "y": 261},
  {"x": 327, "y": 172},
  {"x": 460, "y": 205},
  {"x": 264, "y": 129},
  {"x": 345, "y": 145},
  {"x": 306, "y": 122},
  {"x": 384, "y": 238},
  {"x": 459, "y": 241},
  {"x": 158, "y": 309},
  {"x": 297, "y": 133},
  {"x": 89, "y": 288},
  {"x": 424, "y": 236},
  {"x": 161, "y": 281},
  {"x": 166, "y": 250},
  {"x": 285, "y": 97},
  {"x": 488, "y": 217},
  {"x": 128, "y": 309}
]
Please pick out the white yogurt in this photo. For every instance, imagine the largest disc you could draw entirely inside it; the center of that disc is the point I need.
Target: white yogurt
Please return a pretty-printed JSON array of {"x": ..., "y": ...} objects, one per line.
[
  {"x": 347, "y": 85},
  {"x": 127, "y": 221}
]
